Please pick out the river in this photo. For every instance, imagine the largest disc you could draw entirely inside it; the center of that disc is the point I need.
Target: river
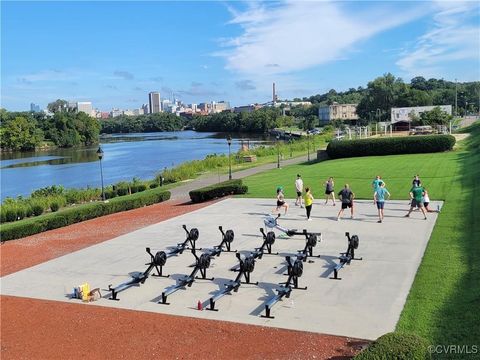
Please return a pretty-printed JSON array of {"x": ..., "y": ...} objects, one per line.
[{"x": 125, "y": 156}]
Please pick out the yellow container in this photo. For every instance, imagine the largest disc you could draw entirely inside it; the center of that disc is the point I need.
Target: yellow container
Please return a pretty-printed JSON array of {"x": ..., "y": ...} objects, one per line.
[{"x": 85, "y": 290}]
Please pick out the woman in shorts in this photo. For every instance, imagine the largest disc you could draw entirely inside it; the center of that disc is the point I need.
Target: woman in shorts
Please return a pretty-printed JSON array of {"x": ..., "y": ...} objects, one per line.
[
  {"x": 281, "y": 200},
  {"x": 426, "y": 201},
  {"x": 329, "y": 190}
]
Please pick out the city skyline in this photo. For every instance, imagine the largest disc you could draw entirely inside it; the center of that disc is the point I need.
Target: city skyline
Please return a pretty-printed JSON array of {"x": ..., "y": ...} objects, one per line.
[{"x": 114, "y": 56}]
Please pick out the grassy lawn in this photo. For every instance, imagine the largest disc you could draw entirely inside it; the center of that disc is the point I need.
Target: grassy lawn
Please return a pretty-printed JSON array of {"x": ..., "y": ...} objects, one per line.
[
  {"x": 443, "y": 305},
  {"x": 437, "y": 172}
]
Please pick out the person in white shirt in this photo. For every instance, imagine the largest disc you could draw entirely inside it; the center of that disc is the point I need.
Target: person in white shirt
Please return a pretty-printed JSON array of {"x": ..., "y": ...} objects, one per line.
[{"x": 299, "y": 189}]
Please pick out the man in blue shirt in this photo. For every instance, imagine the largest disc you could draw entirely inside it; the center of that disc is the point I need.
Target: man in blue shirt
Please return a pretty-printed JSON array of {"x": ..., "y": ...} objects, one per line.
[{"x": 379, "y": 198}]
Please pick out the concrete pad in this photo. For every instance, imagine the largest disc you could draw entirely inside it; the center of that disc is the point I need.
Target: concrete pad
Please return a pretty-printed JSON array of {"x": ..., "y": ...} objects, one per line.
[{"x": 366, "y": 303}]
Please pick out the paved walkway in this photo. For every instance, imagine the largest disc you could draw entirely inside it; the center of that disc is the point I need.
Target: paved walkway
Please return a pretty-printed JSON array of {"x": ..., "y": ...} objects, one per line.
[{"x": 180, "y": 193}]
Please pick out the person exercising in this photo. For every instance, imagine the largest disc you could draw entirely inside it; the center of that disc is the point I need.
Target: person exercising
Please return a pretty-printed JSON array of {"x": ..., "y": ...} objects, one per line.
[
  {"x": 299, "y": 190},
  {"x": 416, "y": 196},
  {"x": 379, "y": 198},
  {"x": 376, "y": 183},
  {"x": 346, "y": 196},
  {"x": 281, "y": 201}
]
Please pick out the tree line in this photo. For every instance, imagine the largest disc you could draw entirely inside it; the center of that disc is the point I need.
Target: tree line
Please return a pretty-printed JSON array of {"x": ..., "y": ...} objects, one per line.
[
  {"x": 381, "y": 94},
  {"x": 26, "y": 131},
  {"x": 143, "y": 123}
]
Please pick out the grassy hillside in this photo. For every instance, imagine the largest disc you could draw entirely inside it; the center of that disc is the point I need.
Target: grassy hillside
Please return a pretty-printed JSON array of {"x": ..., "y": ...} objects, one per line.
[{"x": 438, "y": 172}]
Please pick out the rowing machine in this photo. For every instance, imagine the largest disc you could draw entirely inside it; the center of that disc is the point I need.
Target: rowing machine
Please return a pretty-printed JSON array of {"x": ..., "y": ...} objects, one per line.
[
  {"x": 227, "y": 238},
  {"x": 156, "y": 262},
  {"x": 295, "y": 270},
  {"x": 247, "y": 265},
  {"x": 347, "y": 257},
  {"x": 202, "y": 264},
  {"x": 311, "y": 241},
  {"x": 268, "y": 241}
]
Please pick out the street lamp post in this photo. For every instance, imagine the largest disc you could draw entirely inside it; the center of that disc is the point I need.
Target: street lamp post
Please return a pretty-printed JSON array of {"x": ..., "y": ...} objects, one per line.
[
  {"x": 308, "y": 147},
  {"x": 100, "y": 156},
  {"x": 290, "y": 143},
  {"x": 456, "y": 98},
  {"x": 278, "y": 151},
  {"x": 229, "y": 142}
]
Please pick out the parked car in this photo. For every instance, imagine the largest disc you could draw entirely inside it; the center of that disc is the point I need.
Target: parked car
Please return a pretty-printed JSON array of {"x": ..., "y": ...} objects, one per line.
[{"x": 421, "y": 130}]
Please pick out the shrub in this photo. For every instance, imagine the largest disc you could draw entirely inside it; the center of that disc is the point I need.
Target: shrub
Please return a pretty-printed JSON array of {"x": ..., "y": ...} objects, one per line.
[
  {"x": 80, "y": 213},
  {"x": 153, "y": 185},
  {"x": 400, "y": 346},
  {"x": 390, "y": 146},
  {"x": 142, "y": 187},
  {"x": 48, "y": 191},
  {"x": 3, "y": 216},
  {"x": 21, "y": 211},
  {"x": 28, "y": 210},
  {"x": 218, "y": 190},
  {"x": 37, "y": 209},
  {"x": 110, "y": 194},
  {"x": 121, "y": 188},
  {"x": 10, "y": 213},
  {"x": 54, "y": 206}
]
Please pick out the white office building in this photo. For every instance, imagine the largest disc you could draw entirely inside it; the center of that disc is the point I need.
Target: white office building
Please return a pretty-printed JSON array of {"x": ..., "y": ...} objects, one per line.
[
  {"x": 86, "y": 107},
  {"x": 405, "y": 113}
]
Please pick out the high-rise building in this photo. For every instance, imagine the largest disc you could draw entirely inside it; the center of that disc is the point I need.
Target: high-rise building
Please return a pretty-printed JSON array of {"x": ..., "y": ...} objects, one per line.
[
  {"x": 34, "y": 107},
  {"x": 145, "y": 108},
  {"x": 85, "y": 106},
  {"x": 220, "y": 106},
  {"x": 154, "y": 102}
]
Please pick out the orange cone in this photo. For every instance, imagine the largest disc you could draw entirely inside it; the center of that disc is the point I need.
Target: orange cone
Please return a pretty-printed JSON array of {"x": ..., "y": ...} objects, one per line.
[{"x": 199, "y": 305}]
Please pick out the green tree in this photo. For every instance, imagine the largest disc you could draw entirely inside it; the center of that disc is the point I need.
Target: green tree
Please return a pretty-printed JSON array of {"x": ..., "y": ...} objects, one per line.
[
  {"x": 383, "y": 94},
  {"x": 436, "y": 116},
  {"x": 57, "y": 105},
  {"x": 20, "y": 134}
]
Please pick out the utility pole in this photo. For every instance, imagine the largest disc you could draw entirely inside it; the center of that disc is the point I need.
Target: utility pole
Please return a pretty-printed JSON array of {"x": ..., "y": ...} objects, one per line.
[{"x": 456, "y": 104}]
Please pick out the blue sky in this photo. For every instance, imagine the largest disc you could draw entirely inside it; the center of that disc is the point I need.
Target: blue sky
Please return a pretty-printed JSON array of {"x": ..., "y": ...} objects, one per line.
[{"x": 113, "y": 53}]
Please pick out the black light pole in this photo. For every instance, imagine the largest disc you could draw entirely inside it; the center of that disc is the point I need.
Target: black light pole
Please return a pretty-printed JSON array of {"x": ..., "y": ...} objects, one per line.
[
  {"x": 100, "y": 156},
  {"x": 229, "y": 142},
  {"x": 278, "y": 152},
  {"x": 308, "y": 147},
  {"x": 290, "y": 143}
]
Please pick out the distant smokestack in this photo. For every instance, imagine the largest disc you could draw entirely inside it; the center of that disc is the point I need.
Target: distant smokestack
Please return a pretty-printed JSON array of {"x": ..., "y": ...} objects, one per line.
[{"x": 274, "y": 96}]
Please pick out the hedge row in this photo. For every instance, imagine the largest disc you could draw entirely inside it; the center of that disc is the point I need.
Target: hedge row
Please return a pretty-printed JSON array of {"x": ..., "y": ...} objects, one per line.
[
  {"x": 390, "y": 146},
  {"x": 398, "y": 346},
  {"x": 80, "y": 213},
  {"x": 218, "y": 190}
]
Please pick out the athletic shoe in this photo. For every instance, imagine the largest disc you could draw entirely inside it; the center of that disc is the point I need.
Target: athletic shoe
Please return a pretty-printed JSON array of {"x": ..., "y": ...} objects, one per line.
[
  {"x": 301, "y": 207},
  {"x": 309, "y": 219},
  {"x": 425, "y": 218},
  {"x": 379, "y": 221},
  {"x": 407, "y": 215},
  {"x": 338, "y": 219}
]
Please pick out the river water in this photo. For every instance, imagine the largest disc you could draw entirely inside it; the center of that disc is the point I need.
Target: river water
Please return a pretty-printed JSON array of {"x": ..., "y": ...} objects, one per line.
[{"x": 125, "y": 156}]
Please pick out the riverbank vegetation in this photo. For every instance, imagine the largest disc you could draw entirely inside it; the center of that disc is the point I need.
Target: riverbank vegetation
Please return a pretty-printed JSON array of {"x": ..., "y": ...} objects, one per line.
[
  {"x": 54, "y": 198},
  {"x": 264, "y": 154},
  {"x": 26, "y": 131},
  {"x": 143, "y": 123}
]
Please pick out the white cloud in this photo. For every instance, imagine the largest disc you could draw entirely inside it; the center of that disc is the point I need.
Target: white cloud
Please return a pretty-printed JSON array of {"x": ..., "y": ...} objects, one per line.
[
  {"x": 453, "y": 37},
  {"x": 288, "y": 37}
]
